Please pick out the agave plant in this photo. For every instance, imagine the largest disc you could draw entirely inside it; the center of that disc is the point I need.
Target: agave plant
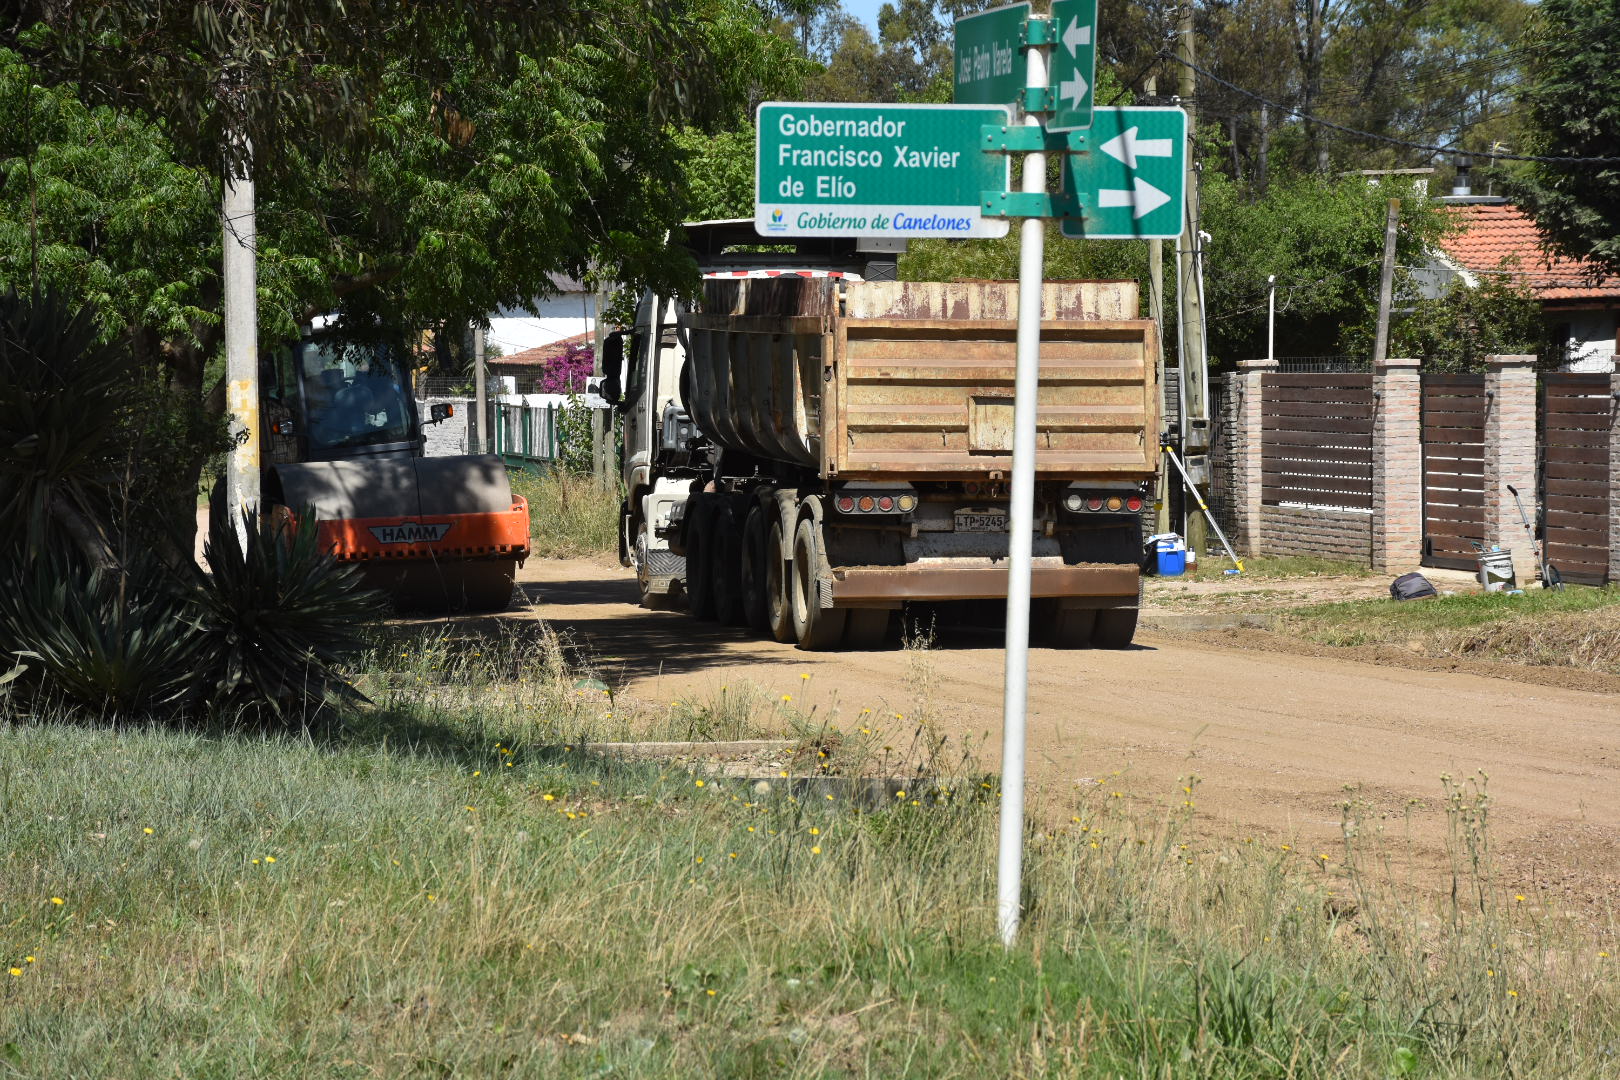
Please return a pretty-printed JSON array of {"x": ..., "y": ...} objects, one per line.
[
  {"x": 120, "y": 641},
  {"x": 61, "y": 397},
  {"x": 279, "y": 617}
]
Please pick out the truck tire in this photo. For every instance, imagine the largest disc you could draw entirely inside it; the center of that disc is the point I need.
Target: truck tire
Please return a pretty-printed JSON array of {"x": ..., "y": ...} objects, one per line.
[
  {"x": 1115, "y": 628},
  {"x": 778, "y": 584},
  {"x": 699, "y": 535},
  {"x": 1064, "y": 628},
  {"x": 752, "y": 577},
  {"x": 866, "y": 628},
  {"x": 815, "y": 628},
  {"x": 725, "y": 573}
]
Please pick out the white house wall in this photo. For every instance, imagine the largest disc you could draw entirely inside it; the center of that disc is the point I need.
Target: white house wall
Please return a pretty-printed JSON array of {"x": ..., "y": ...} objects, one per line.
[
  {"x": 1591, "y": 339},
  {"x": 542, "y": 322}
]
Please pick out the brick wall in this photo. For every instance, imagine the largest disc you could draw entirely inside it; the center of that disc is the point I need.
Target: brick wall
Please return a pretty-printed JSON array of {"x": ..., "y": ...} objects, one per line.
[{"x": 1323, "y": 534}]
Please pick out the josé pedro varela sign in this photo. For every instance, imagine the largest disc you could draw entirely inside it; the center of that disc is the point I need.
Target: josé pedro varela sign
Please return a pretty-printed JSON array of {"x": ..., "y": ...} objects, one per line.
[{"x": 833, "y": 169}]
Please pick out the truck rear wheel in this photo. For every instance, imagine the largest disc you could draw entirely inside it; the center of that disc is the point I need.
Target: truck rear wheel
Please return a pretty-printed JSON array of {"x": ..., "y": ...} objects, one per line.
[
  {"x": 699, "y": 582},
  {"x": 814, "y": 627},
  {"x": 1065, "y": 628},
  {"x": 866, "y": 628},
  {"x": 752, "y": 577},
  {"x": 778, "y": 586},
  {"x": 1115, "y": 628},
  {"x": 725, "y": 575}
]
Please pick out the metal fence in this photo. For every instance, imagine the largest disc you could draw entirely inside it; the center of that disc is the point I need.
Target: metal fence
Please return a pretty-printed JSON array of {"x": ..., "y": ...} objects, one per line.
[{"x": 526, "y": 434}]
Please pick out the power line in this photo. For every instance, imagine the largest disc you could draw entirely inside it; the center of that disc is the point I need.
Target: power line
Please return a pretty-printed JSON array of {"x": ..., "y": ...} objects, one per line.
[{"x": 1290, "y": 110}]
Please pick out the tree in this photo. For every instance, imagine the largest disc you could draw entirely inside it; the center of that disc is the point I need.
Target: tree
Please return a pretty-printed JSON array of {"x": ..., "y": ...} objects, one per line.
[
  {"x": 1572, "y": 96},
  {"x": 425, "y": 182},
  {"x": 1323, "y": 241}
]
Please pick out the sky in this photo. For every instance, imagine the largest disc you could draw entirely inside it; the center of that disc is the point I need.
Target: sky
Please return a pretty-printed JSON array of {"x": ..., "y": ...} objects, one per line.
[{"x": 866, "y": 11}]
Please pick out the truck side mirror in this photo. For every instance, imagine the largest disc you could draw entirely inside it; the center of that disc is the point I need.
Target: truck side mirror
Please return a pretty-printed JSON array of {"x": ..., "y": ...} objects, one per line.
[
  {"x": 440, "y": 411},
  {"x": 612, "y": 390}
]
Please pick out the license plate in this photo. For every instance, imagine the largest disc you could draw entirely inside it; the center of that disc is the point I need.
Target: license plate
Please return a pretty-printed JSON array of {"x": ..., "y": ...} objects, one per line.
[{"x": 981, "y": 521}]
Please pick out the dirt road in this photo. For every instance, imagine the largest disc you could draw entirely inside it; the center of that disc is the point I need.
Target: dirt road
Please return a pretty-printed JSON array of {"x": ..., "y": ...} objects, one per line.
[{"x": 1278, "y": 741}]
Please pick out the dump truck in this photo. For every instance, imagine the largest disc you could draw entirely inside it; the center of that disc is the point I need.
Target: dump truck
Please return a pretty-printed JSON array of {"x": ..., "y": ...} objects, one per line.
[
  {"x": 343, "y": 439},
  {"x": 807, "y": 452}
]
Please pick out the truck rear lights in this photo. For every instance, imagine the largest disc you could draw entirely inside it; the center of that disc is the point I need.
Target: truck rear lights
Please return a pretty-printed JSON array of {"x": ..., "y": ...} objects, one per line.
[
  {"x": 876, "y": 502},
  {"x": 1078, "y": 501}
]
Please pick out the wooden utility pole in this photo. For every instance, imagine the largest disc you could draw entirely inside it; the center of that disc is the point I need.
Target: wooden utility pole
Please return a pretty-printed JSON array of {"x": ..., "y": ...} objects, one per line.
[
  {"x": 1189, "y": 302},
  {"x": 1386, "y": 282}
]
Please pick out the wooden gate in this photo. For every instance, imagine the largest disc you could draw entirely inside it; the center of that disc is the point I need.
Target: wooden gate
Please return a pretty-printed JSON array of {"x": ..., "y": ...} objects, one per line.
[
  {"x": 1453, "y": 469},
  {"x": 1316, "y": 440},
  {"x": 1576, "y": 411}
]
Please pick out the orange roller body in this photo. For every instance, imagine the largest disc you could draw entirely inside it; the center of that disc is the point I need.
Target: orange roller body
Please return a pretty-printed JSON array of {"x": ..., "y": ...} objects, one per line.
[{"x": 500, "y": 534}]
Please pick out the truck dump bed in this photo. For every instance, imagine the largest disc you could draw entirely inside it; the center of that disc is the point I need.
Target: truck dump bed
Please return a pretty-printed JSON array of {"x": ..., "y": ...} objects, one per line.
[{"x": 914, "y": 380}]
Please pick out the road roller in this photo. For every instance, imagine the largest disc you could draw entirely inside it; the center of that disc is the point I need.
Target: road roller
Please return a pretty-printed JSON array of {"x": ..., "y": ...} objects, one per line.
[{"x": 343, "y": 440}]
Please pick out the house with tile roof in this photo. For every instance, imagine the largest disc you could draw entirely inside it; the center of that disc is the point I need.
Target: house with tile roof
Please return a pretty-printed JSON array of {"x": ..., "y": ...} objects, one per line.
[
  {"x": 1499, "y": 238},
  {"x": 527, "y": 367}
]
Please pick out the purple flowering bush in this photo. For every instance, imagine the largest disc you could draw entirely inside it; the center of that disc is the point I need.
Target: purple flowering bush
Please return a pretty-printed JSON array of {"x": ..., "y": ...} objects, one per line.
[{"x": 565, "y": 373}]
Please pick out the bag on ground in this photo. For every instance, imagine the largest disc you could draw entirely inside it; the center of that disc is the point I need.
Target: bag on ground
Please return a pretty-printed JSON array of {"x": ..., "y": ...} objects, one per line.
[{"x": 1412, "y": 586}]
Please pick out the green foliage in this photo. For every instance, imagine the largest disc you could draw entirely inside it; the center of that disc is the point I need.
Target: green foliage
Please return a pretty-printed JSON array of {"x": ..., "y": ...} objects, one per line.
[
  {"x": 719, "y": 173},
  {"x": 1457, "y": 331},
  {"x": 1324, "y": 242},
  {"x": 278, "y": 618},
  {"x": 1572, "y": 95}
]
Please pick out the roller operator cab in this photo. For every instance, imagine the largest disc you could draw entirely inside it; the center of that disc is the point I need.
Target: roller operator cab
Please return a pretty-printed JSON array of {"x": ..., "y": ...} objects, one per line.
[
  {"x": 810, "y": 445},
  {"x": 342, "y": 438}
]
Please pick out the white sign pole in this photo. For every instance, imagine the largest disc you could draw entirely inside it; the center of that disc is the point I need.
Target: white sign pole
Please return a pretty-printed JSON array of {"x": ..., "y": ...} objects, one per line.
[{"x": 1031, "y": 252}]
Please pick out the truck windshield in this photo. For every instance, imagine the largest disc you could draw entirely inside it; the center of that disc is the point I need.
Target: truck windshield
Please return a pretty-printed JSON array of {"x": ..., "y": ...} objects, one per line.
[{"x": 353, "y": 395}]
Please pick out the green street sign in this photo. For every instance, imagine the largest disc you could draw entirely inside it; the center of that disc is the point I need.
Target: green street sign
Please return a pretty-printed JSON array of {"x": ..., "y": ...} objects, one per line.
[
  {"x": 1074, "y": 64},
  {"x": 1128, "y": 174},
  {"x": 989, "y": 56},
  {"x": 836, "y": 169}
]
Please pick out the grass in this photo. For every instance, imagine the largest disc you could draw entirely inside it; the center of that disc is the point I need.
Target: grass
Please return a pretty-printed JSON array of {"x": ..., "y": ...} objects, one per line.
[
  {"x": 1577, "y": 626},
  {"x": 569, "y": 516},
  {"x": 438, "y": 888}
]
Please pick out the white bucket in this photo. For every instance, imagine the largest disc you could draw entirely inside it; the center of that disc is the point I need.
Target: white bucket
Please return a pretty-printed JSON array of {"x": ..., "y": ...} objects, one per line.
[{"x": 1496, "y": 570}]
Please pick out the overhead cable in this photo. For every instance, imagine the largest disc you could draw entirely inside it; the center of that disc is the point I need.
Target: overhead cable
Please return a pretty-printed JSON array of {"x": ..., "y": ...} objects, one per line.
[{"x": 1290, "y": 110}]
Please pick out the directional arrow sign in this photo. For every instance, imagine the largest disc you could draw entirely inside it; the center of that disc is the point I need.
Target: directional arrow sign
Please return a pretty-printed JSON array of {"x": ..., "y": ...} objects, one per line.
[
  {"x": 1128, "y": 174},
  {"x": 836, "y": 169},
  {"x": 1074, "y": 63},
  {"x": 989, "y": 56}
]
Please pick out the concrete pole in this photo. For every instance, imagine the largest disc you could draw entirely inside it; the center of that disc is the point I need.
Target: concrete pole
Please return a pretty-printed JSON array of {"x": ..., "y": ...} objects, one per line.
[
  {"x": 241, "y": 312},
  {"x": 1021, "y": 517},
  {"x": 1271, "y": 318},
  {"x": 1386, "y": 283},
  {"x": 480, "y": 435}
]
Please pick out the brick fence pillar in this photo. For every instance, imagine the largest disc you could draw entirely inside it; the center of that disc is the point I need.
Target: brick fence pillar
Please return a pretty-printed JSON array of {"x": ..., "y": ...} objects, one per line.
[
  {"x": 1614, "y": 474},
  {"x": 1510, "y": 456},
  {"x": 1246, "y": 467},
  {"x": 1397, "y": 477}
]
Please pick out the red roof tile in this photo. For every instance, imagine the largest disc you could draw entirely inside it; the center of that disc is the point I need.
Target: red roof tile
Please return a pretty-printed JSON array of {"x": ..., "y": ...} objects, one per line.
[
  {"x": 538, "y": 355},
  {"x": 1496, "y": 232}
]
